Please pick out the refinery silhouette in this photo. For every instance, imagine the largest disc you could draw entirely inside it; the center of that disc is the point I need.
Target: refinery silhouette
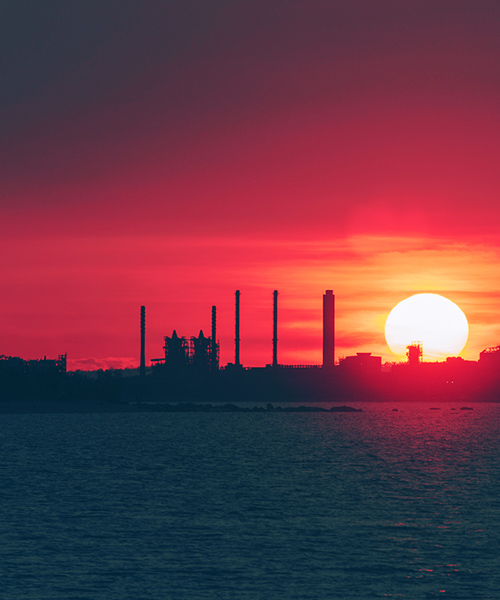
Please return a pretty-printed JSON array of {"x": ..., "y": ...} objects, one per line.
[{"x": 189, "y": 371}]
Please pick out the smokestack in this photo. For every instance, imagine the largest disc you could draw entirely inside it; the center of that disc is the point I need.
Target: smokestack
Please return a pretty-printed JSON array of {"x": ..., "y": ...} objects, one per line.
[
  {"x": 328, "y": 329},
  {"x": 213, "y": 347},
  {"x": 142, "y": 370},
  {"x": 275, "y": 328},
  {"x": 237, "y": 331}
]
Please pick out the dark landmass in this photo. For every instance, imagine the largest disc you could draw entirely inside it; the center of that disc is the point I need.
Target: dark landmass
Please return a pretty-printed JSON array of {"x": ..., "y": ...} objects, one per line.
[{"x": 44, "y": 386}]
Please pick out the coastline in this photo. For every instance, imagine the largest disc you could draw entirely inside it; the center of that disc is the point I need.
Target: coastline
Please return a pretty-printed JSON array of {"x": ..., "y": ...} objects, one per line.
[{"x": 43, "y": 406}]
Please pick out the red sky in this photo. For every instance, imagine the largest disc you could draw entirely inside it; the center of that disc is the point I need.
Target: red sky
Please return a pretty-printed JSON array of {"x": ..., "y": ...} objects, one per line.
[{"x": 167, "y": 154}]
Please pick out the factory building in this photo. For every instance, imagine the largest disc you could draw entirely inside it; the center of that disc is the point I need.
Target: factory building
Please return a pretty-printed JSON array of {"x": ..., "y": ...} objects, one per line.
[
  {"x": 181, "y": 352},
  {"x": 362, "y": 363},
  {"x": 201, "y": 352},
  {"x": 33, "y": 366}
]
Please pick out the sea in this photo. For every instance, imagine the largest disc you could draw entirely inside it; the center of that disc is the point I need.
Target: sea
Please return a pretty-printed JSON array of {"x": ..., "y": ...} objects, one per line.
[{"x": 383, "y": 503}]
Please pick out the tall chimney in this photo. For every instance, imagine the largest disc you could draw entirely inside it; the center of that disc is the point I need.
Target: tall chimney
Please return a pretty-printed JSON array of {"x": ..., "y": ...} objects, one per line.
[
  {"x": 237, "y": 331},
  {"x": 328, "y": 329},
  {"x": 275, "y": 328},
  {"x": 213, "y": 347},
  {"x": 142, "y": 369}
]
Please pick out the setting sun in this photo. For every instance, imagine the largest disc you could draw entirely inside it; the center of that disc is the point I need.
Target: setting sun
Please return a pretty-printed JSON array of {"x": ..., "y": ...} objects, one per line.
[{"x": 438, "y": 323}]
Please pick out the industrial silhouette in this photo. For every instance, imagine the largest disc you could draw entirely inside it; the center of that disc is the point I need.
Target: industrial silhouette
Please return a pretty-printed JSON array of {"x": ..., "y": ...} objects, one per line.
[
  {"x": 237, "y": 331},
  {"x": 203, "y": 352},
  {"x": 328, "y": 330},
  {"x": 275, "y": 328},
  {"x": 190, "y": 369},
  {"x": 143, "y": 342},
  {"x": 414, "y": 353}
]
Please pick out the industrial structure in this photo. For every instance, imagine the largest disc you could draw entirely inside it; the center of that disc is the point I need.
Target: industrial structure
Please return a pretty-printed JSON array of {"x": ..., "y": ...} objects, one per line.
[
  {"x": 414, "y": 353},
  {"x": 362, "y": 363},
  {"x": 181, "y": 352},
  {"x": 189, "y": 368},
  {"x": 142, "y": 368},
  {"x": 203, "y": 352},
  {"x": 43, "y": 365},
  {"x": 198, "y": 352},
  {"x": 237, "y": 330},
  {"x": 214, "y": 346},
  {"x": 275, "y": 328},
  {"x": 328, "y": 330},
  {"x": 490, "y": 357}
]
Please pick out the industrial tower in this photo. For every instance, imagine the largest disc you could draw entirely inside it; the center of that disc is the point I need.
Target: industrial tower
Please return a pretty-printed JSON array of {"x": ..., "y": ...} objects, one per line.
[{"x": 328, "y": 330}]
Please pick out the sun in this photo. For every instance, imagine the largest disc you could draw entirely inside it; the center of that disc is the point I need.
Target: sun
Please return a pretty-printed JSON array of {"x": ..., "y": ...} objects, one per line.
[{"x": 433, "y": 320}]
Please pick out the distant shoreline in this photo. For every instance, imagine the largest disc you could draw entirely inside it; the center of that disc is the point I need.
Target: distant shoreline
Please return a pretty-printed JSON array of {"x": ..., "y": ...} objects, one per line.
[
  {"x": 89, "y": 407},
  {"x": 190, "y": 406}
]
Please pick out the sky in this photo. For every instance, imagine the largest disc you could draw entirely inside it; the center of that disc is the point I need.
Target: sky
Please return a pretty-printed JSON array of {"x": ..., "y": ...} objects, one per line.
[{"x": 169, "y": 153}]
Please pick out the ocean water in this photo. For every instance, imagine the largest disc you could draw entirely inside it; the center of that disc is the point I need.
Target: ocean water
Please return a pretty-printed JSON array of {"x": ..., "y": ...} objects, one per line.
[{"x": 188, "y": 506}]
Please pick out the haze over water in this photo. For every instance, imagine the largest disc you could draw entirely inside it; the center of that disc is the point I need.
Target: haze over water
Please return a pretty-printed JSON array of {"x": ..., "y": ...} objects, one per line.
[{"x": 188, "y": 506}]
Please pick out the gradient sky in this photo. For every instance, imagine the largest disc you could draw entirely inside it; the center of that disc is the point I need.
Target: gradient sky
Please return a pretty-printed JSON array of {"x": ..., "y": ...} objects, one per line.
[{"x": 169, "y": 153}]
